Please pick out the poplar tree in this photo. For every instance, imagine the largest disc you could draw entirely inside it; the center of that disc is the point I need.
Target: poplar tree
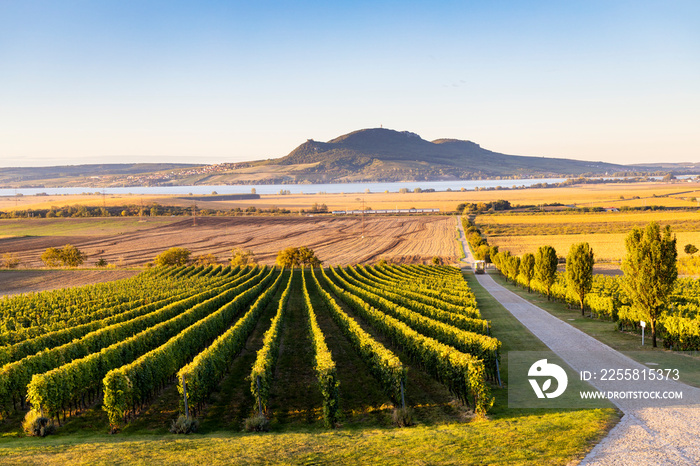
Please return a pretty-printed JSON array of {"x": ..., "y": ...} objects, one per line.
[
  {"x": 579, "y": 270},
  {"x": 650, "y": 271},
  {"x": 546, "y": 267},
  {"x": 527, "y": 268}
]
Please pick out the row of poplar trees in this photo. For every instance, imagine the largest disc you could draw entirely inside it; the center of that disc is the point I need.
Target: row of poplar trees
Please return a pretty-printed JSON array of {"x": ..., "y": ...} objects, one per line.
[{"x": 650, "y": 270}]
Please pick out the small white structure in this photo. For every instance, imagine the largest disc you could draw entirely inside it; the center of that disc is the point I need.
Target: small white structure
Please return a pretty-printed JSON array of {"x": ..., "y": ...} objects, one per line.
[{"x": 479, "y": 266}]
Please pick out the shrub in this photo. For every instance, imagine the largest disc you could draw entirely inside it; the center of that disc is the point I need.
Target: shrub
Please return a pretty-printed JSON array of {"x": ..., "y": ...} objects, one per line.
[
  {"x": 51, "y": 257},
  {"x": 403, "y": 417},
  {"x": 206, "y": 259},
  {"x": 241, "y": 257},
  {"x": 437, "y": 260},
  {"x": 173, "y": 256},
  {"x": 184, "y": 425},
  {"x": 36, "y": 425},
  {"x": 295, "y": 257},
  {"x": 257, "y": 423},
  {"x": 69, "y": 256},
  {"x": 72, "y": 256},
  {"x": 10, "y": 260}
]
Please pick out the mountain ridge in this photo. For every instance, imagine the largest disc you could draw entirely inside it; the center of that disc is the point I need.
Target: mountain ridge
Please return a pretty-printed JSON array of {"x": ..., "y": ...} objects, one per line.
[{"x": 375, "y": 153}]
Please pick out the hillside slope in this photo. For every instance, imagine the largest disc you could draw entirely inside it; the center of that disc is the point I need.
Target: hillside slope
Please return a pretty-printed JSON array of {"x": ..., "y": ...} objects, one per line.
[{"x": 384, "y": 154}]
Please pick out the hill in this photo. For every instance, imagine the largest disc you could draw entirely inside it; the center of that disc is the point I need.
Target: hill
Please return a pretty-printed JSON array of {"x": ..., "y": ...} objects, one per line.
[
  {"x": 375, "y": 154},
  {"x": 388, "y": 155},
  {"x": 21, "y": 175}
]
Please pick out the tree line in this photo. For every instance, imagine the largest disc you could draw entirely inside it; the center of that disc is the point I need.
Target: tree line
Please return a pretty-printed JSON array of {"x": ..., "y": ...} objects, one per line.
[{"x": 649, "y": 267}]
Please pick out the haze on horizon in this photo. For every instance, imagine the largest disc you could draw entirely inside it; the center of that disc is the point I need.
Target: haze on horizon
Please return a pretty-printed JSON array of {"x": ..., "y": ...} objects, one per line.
[{"x": 217, "y": 81}]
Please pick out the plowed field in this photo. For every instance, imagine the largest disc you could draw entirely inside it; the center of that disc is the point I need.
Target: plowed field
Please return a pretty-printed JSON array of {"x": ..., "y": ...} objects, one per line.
[{"x": 336, "y": 240}]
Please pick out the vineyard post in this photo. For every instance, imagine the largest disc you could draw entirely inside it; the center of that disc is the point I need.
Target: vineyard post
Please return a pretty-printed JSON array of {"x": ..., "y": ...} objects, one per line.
[
  {"x": 498, "y": 372},
  {"x": 403, "y": 399},
  {"x": 257, "y": 379},
  {"x": 184, "y": 394}
]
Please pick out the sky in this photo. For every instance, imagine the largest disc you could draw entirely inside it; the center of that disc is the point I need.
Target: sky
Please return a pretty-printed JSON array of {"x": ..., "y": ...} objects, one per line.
[{"x": 225, "y": 81}]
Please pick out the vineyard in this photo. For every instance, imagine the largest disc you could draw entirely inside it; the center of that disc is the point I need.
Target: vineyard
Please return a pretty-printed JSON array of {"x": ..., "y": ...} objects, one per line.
[{"x": 122, "y": 346}]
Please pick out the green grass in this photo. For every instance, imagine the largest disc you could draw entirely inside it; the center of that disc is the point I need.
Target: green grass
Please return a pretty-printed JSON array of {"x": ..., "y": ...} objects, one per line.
[
  {"x": 606, "y": 332},
  {"x": 544, "y": 439},
  {"x": 78, "y": 226},
  {"x": 443, "y": 434}
]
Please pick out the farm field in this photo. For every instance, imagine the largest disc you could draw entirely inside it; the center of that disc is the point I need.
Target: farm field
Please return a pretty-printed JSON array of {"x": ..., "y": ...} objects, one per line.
[
  {"x": 678, "y": 194},
  {"x": 296, "y": 405},
  {"x": 604, "y": 231},
  {"x": 336, "y": 240},
  {"x": 607, "y": 247}
]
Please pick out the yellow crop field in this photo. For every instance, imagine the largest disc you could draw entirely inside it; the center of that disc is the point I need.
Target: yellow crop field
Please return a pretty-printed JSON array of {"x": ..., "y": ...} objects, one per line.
[
  {"x": 679, "y": 194},
  {"x": 608, "y": 247},
  {"x": 591, "y": 217},
  {"x": 562, "y": 223}
]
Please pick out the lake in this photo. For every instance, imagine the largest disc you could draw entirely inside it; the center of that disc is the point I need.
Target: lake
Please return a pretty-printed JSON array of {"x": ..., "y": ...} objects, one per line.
[{"x": 293, "y": 188}]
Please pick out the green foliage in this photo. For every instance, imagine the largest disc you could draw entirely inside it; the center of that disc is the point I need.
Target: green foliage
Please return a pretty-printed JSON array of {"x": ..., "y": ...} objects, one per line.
[
  {"x": 508, "y": 264},
  {"x": 173, "y": 257},
  {"x": 483, "y": 253},
  {"x": 263, "y": 369},
  {"x": 465, "y": 318},
  {"x": 184, "y": 425},
  {"x": 466, "y": 208},
  {"x": 150, "y": 371},
  {"x": 323, "y": 362},
  {"x": 527, "y": 268},
  {"x": 437, "y": 260},
  {"x": 239, "y": 257},
  {"x": 462, "y": 373},
  {"x": 384, "y": 365},
  {"x": 546, "y": 267},
  {"x": 36, "y": 425},
  {"x": 579, "y": 270},
  {"x": 297, "y": 257},
  {"x": 257, "y": 423},
  {"x": 402, "y": 417},
  {"x": 690, "y": 249},
  {"x": 10, "y": 260},
  {"x": 689, "y": 265},
  {"x": 206, "y": 259},
  {"x": 203, "y": 374},
  {"x": 650, "y": 271},
  {"x": 317, "y": 208},
  {"x": 68, "y": 256},
  {"x": 63, "y": 385},
  {"x": 61, "y": 316}
]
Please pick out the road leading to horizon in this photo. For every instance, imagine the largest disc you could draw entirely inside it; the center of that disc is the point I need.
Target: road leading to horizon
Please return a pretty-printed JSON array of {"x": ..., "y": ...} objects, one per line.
[{"x": 663, "y": 433}]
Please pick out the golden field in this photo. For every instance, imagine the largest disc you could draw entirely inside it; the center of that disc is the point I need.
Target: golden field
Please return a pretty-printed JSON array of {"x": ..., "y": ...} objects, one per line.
[
  {"x": 676, "y": 194},
  {"x": 606, "y": 247}
]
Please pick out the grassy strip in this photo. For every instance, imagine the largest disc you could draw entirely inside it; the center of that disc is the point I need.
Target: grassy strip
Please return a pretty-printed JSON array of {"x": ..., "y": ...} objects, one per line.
[{"x": 554, "y": 439}]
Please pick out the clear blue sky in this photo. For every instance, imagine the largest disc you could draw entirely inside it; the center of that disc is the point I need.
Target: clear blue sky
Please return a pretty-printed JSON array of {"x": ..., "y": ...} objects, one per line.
[{"x": 217, "y": 81}]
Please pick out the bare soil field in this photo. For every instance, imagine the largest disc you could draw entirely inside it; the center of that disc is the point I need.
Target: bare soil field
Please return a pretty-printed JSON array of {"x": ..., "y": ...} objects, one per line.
[
  {"x": 335, "y": 239},
  {"x": 26, "y": 281}
]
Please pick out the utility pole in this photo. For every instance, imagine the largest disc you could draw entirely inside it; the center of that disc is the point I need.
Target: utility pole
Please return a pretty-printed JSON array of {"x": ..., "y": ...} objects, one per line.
[{"x": 363, "y": 217}]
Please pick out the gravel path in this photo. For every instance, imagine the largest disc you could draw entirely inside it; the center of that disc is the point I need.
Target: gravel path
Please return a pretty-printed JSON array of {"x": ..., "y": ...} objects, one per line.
[{"x": 650, "y": 433}]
